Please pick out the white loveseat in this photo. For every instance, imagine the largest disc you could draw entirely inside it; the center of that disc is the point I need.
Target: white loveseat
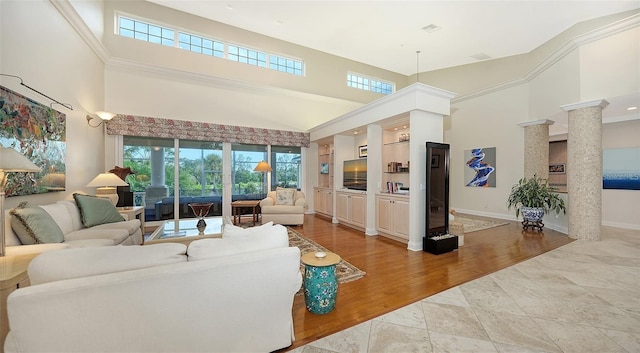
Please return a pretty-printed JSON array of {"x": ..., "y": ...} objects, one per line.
[
  {"x": 67, "y": 216},
  {"x": 217, "y": 295},
  {"x": 277, "y": 212}
]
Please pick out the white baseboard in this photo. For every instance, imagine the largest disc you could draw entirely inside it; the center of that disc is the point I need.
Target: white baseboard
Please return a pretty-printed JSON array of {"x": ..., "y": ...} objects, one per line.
[
  {"x": 621, "y": 225},
  {"x": 486, "y": 214},
  {"x": 413, "y": 246}
]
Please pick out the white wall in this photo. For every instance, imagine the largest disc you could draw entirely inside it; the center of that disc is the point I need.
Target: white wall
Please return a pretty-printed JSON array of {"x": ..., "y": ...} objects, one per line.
[
  {"x": 611, "y": 66},
  {"x": 599, "y": 70},
  {"x": 487, "y": 121},
  {"x": 37, "y": 44},
  {"x": 620, "y": 207}
]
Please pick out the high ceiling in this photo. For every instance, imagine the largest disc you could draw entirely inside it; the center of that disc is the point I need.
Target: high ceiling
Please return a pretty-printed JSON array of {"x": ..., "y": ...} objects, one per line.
[{"x": 387, "y": 34}]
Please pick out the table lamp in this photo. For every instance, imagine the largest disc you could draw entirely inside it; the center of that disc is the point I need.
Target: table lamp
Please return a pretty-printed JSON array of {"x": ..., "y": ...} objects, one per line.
[
  {"x": 106, "y": 186},
  {"x": 10, "y": 162}
]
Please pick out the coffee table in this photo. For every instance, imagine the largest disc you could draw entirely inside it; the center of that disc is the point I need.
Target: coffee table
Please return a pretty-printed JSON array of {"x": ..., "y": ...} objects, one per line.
[{"x": 185, "y": 231}]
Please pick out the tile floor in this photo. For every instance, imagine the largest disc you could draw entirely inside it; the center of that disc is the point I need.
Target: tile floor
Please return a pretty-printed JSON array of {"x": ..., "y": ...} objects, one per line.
[{"x": 582, "y": 297}]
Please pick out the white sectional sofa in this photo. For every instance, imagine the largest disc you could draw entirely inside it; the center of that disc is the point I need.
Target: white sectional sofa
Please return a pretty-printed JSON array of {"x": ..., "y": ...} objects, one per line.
[
  {"x": 67, "y": 216},
  {"x": 217, "y": 295}
]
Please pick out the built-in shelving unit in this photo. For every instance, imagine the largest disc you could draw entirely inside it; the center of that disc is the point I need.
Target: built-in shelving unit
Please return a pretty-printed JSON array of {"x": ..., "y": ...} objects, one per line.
[
  {"x": 382, "y": 130},
  {"x": 325, "y": 166},
  {"x": 395, "y": 158}
]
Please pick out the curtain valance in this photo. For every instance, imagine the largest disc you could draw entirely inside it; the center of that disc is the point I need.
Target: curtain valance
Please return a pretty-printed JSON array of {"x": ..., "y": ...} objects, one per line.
[{"x": 132, "y": 125}]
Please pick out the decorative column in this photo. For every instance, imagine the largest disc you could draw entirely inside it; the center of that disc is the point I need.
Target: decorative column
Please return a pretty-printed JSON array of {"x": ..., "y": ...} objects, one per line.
[
  {"x": 584, "y": 159},
  {"x": 536, "y": 148},
  {"x": 157, "y": 190}
]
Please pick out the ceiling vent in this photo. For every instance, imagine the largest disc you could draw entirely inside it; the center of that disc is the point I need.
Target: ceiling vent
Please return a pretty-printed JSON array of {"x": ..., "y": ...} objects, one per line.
[
  {"x": 481, "y": 56},
  {"x": 430, "y": 28}
]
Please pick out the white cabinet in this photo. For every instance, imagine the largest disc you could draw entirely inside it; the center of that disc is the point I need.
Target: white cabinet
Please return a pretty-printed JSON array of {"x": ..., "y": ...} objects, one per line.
[
  {"x": 323, "y": 201},
  {"x": 351, "y": 208},
  {"x": 392, "y": 215}
]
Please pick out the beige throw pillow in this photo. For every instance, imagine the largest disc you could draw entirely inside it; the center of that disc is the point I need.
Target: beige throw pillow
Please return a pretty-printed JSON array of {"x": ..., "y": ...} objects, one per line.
[{"x": 285, "y": 196}]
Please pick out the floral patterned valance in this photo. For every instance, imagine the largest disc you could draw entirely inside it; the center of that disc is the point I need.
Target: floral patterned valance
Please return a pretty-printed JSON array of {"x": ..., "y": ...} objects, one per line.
[{"x": 131, "y": 125}]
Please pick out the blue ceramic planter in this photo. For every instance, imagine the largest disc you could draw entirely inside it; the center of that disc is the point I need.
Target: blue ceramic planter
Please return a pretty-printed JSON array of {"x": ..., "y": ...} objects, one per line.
[{"x": 320, "y": 288}]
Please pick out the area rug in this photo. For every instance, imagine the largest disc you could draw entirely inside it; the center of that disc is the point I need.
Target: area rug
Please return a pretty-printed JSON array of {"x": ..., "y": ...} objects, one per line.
[
  {"x": 345, "y": 271},
  {"x": 474, "y": 225}
]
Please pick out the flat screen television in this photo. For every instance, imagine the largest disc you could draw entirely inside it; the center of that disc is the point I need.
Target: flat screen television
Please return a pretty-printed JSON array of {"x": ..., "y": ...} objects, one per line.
[{"x": 355, "y": 174}]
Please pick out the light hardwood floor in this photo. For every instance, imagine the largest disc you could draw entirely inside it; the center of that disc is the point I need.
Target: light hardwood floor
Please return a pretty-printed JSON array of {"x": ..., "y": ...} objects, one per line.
[{"x": 397, "y": 277}]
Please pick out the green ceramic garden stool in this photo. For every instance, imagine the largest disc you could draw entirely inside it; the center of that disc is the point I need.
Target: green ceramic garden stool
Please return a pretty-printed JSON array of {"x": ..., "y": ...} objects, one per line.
[{"x": 320, "y": 281}]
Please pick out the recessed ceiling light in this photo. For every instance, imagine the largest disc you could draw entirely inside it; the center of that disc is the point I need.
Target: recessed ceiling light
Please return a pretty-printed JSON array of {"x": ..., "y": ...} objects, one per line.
[
  {"x": 355, "y": 132},
  {"x": 395, "y": 129},
  {"x": 430, "y": 28},
  {"x": 632, "y": 108}
]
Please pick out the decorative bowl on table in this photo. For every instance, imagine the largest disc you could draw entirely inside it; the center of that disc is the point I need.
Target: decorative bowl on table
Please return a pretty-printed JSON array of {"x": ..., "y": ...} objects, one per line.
[{"x": 200, "y": 210}]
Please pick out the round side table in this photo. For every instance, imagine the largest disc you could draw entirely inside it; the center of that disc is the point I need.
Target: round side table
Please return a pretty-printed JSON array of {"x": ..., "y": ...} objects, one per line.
[{"x": 320, "y": 282}]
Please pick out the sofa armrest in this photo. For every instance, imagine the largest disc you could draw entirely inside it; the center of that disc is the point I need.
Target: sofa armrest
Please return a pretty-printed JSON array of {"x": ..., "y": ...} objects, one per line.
[
  {"x": 301, "y": 202},
  {"x": 267, "y": 202}
]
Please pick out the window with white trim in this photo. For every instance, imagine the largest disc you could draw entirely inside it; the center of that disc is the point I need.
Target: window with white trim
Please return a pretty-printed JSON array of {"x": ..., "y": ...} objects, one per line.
[
  {"x": 287, "y": 65},
  {"x": 200, "y": 45},
  {"x": 145, "y": 31},
  {"x": 153, "y": 33},
  {"x": 246, "y": 56},
  {"x": 369, "y": 83}
]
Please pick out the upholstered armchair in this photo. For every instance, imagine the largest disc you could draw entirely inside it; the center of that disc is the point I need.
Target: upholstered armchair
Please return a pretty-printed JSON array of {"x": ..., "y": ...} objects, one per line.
[{"x": 284, "y": 206}]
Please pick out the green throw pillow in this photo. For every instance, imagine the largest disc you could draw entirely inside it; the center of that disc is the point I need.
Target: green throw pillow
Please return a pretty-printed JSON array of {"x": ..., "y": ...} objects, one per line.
[
  {"x": 33, "y": 225},
  {"x": 96, "y": 210}
]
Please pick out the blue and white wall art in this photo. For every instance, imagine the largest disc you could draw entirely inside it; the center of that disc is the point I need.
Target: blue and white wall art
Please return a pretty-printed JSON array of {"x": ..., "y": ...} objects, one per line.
[
  {"x": 621, "y": 168},
  {"x": 481, "y": 167}
]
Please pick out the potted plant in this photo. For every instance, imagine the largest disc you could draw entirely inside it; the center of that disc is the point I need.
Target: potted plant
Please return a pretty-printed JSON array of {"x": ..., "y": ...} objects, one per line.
[{"x": 534, "y": 197}]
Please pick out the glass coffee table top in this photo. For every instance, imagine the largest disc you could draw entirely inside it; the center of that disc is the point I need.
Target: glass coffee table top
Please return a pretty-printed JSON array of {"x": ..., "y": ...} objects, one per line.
[{"x": 186, "y": 228}]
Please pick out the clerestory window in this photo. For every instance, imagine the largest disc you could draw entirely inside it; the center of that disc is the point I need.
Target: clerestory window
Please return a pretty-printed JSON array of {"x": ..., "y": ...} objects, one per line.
[
  {"x": 157, "y": 34},
  {"x": 369, "y": 83}
]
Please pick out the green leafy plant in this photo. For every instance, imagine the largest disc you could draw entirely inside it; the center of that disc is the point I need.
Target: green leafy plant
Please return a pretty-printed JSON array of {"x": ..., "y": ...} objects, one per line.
[{"x": 535, "y": 192}]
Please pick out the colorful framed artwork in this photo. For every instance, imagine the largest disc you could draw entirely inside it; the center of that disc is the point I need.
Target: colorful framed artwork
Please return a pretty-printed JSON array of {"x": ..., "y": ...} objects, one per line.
[{"x": 38, "y": 132}]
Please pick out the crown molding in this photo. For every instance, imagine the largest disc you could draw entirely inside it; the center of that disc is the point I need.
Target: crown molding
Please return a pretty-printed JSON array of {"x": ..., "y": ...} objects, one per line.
[
  {"x": 70, "y": 14},
  {"x": 214, "y": 81},
  {"x": 536, "y": 122},
  {"x": 572, "y": 44},
  {"x": 602, "y": 103}
]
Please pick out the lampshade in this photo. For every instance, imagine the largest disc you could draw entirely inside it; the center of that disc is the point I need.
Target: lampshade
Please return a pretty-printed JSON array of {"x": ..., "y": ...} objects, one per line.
[
  {"x": 106, "y": 179},
  {"x": 106, "y": 183},
  {"x": 262, "y": 167},
  {"x": 105, "y": 115},
  {"x": 12, "y": 161}
]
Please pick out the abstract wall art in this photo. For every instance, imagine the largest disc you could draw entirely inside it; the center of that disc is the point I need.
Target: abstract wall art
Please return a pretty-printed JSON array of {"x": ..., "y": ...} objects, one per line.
[
  {"x": 480, "y": 167},
  {"x": 37, "y": 132},
  {"x": 621, "y": 168}
]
